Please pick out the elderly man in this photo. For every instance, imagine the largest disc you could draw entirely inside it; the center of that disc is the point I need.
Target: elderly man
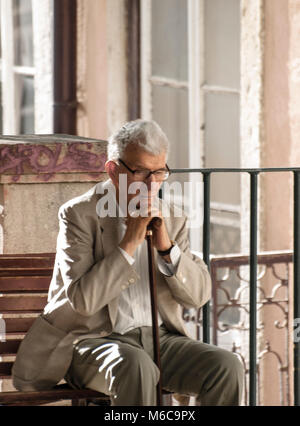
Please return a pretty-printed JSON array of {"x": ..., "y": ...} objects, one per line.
[{"x": 96, "y": 328}]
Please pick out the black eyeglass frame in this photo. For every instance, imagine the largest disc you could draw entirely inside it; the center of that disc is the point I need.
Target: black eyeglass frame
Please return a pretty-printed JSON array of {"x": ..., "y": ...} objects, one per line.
[{"x": 167, "y": 170}]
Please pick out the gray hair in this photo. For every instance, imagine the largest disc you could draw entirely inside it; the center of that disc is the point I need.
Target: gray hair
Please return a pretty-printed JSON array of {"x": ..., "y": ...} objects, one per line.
[{"x": 146, "y": 134}]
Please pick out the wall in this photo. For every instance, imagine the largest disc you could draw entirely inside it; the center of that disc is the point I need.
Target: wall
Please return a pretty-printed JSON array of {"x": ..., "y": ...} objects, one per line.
[
  {"x": 102, "y": 67},
  {"x": 39, "y": 174},
  {"x": 280, "y": 149},
  {"x": 92, "y": 68},
  {"x": 270, "y": 134}
]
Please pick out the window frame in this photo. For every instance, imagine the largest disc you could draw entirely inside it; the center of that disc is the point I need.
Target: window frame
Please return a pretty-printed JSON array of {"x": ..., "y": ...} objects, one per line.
[
  {"x": 42, "y": 74},
  {"x": 193, "y": 86},
  {"x": 197, "y": 89}
]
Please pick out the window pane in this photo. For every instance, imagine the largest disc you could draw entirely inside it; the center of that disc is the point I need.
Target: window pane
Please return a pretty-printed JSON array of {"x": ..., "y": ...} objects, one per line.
[
  {"x": 170, "y": 110},
  {"x": 169, "y": 38},
  {"x": 25, "y": 104},
  {"x": 222, "y": 42},
  {"x": 222, "y": 144},
  {"x": 23, "y": 32}
]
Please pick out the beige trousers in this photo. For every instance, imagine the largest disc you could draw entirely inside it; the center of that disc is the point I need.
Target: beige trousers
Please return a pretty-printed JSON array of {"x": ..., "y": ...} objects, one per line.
[{"x": 122, "y": 366}]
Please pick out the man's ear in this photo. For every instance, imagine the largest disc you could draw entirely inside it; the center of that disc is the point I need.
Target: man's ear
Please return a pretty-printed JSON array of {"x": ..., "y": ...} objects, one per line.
[{"x": 111, "y": 169}]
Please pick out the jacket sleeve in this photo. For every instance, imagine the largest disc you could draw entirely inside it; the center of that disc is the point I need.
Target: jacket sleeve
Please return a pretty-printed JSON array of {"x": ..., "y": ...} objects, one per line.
[
  {"x": 191, "y": 284},
  {"x": 89, "y": 285}
]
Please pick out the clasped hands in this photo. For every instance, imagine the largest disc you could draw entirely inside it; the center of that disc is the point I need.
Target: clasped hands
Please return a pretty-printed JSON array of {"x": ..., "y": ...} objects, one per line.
[{"x": 137, "y": 228}]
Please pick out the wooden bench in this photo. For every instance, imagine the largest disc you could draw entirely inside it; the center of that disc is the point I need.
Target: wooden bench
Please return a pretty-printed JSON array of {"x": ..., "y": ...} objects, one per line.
[{"x": 24, "y": 283}]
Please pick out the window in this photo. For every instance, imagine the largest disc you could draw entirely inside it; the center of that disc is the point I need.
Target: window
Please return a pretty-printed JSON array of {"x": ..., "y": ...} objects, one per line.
[
  {"x": 170, "y": 83},
  {"x": 221, "y": 116},
  {"x": 165, "y": 82},
  {"x": 190, "y": 75},
  {"x": 26, "y": 66}
]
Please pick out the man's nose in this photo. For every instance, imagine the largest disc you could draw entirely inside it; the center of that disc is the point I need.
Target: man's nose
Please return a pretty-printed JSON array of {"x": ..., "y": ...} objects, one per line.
[{"x": 149, "y": 180}]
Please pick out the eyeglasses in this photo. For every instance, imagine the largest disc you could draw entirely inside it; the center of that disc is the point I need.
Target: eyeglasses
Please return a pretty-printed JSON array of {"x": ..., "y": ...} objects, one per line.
[{"x": 159, "y": 175}]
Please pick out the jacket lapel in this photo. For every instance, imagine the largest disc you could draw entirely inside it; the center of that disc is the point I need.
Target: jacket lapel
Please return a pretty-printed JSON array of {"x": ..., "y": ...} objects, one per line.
[{"x": 109, "y": 225}]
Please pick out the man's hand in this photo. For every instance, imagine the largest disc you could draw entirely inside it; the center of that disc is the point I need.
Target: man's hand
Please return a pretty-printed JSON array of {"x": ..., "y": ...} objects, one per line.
[
  {"x": 136, "y": 232},
  {"x": 161, "y": 240}
]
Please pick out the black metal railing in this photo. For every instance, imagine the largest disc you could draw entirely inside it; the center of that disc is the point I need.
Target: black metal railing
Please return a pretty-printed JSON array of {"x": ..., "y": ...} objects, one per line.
[{"x": 254, "y": 174}]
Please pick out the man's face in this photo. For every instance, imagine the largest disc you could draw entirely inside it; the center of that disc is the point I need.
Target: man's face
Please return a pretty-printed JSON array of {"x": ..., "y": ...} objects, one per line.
[{"x": 138, "y": 159}]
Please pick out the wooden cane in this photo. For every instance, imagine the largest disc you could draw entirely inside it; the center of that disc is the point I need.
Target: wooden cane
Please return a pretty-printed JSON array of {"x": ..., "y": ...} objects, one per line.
[{"x": 154, "y": 310}]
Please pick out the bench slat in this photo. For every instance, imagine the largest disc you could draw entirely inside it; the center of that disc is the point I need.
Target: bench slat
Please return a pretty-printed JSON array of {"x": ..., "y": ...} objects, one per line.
[
  {"x": 60, "y": 392},
  {"x": 28, "y": 272},
  {"x": 10, "y": 347},
  {"x": 22, "y": 303},
  {"x": 24, "y": 284},
  {"x": 18, "y": 325},
  {"x": 26, "y": 262},
  {"x": 24, "y": 255}
]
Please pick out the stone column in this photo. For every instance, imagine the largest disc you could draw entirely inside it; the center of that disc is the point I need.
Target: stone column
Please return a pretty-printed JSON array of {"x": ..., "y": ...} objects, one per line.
[{"x": 37, "y": 175}]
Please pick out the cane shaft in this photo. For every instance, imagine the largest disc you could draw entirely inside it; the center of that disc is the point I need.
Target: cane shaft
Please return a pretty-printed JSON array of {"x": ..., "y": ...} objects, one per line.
[{"x": 154, "y": 311}]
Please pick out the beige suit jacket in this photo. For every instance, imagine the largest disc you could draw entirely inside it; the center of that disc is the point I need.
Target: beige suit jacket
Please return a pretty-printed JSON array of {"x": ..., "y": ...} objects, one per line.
[{"x": 88, "y": 277}]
